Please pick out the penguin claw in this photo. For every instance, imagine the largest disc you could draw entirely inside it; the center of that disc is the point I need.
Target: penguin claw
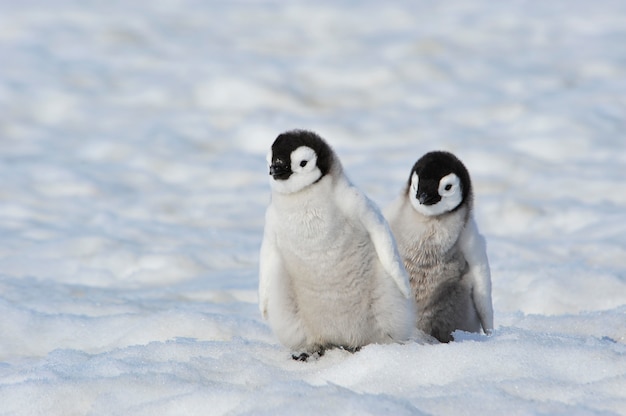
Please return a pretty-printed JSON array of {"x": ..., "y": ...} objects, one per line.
[{"x": 304, "y": 356}]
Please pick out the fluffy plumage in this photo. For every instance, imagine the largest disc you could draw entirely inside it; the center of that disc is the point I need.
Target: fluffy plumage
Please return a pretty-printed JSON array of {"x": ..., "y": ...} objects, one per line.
[
  {"x": 330, "y": 273},
  {"x": 442, "y": 249}
]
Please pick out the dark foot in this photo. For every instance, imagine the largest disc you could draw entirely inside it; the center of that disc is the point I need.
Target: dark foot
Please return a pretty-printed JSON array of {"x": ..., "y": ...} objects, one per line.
[
  {"x": 300, "y": 357},
  {"x": 442, "y": 336},
  {"x": 305, "y": 356},
  {"x": 351, "y": 349}
]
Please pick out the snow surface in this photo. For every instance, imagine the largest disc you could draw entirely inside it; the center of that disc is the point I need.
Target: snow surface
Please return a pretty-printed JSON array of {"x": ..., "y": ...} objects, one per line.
[{"x": 133, "y": 187}]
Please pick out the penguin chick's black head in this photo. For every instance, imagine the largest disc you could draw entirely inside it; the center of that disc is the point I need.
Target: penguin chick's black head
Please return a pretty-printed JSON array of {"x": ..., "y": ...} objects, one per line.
[
  {"x": 286, "y": 143},
  {"x": 430, "y": 169}
]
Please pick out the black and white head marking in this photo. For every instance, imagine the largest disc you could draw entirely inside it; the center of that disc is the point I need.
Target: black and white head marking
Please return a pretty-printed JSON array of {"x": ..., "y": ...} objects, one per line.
[
  {"x": 297, "y": 159},
  {"x": 439, "y": 183}
]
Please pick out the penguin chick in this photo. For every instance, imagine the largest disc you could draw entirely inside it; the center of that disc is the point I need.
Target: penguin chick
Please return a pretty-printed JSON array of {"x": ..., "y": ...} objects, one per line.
[
  {"x": 442, "y": 249},
  {"x": 330, "y": 272}
]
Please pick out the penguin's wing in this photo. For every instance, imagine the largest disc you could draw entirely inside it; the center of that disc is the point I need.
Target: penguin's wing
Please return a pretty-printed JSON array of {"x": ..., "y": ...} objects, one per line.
[
  {"x": 270, "y": 263},
  {"x": 354, "y": 202},
  {"x": 474, "y": 249}
]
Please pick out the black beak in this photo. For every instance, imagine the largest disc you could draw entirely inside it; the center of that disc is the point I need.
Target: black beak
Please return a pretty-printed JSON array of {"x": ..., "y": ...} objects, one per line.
[
  {"x": 280, "y": 171},
  {"x": 426, "y": 199}
]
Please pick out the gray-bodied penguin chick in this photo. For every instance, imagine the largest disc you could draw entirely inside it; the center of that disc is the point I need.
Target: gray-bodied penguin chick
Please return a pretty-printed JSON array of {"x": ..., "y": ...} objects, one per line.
[
  {"x": 330, "y": 272},
  {"x": 442, "y": 249}
]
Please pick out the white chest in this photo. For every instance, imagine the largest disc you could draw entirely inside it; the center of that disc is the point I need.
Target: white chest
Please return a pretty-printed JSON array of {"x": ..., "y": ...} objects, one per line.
[
  {"x": 427, "y": 240},
  {"x": 311, "y": 227}
]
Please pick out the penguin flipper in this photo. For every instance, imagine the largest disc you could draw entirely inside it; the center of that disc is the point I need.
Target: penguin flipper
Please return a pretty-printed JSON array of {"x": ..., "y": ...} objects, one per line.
[
  {"x": 270, "y": 265},
  {"x": 474, "y": 250},
  {"x": 354, "y": 202}
]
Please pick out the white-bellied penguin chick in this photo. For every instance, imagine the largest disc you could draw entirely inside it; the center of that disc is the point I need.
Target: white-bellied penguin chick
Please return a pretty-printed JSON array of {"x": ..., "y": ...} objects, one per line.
[
  {"x": 330, "y": 272},
  {"x": 442, "y": 249}
]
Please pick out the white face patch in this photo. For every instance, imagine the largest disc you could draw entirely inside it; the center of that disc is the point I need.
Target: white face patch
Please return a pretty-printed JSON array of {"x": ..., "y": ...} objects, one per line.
[
  {"x": 304, "y": 168},
  {"x": 449, "y": 190}
]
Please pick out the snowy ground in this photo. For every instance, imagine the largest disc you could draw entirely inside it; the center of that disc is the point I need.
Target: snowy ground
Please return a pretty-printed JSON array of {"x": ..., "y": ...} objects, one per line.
[{"x": 133, "y": 187}]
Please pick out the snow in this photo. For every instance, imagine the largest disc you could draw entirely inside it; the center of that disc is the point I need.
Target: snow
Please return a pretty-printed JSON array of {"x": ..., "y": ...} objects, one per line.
[{"x": 133, "y": 187}]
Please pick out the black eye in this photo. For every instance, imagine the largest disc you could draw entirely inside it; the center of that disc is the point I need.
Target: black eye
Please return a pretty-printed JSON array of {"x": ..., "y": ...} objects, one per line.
[
  {"x": 303, "y": 163},
  {"x": 448, "y": 187}
]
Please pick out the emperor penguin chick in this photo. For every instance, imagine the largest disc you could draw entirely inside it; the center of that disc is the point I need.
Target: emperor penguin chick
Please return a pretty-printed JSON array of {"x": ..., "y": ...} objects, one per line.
[
  {"x": 330, "y": 272},
  {"x": 442, "y": 249}
]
